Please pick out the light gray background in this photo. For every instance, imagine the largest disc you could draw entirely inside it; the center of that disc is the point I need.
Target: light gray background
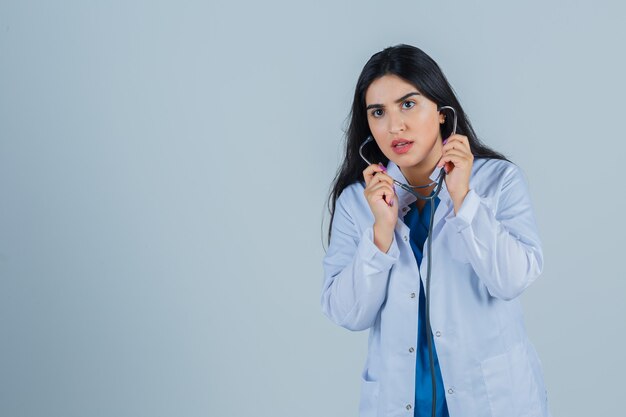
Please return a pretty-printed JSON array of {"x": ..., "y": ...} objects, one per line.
[{"x": 164, "y": 167}]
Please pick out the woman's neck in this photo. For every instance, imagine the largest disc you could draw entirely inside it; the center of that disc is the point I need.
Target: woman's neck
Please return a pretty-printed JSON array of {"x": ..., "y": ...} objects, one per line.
[{"x": 420, "y": 174}]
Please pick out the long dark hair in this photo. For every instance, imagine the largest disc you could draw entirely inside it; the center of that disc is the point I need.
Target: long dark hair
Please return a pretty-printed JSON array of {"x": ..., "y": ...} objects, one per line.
[{"x": 416, "y": 67}]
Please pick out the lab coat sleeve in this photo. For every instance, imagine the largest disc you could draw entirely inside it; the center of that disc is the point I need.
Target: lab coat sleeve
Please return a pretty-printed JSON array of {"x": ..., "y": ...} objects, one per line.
[
  {"x": 500, "y": 236},
  {"x": 356, "y": 272}
]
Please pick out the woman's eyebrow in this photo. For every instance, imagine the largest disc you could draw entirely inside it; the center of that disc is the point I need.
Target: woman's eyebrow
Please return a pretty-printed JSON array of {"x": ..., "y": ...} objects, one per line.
[{"x": 404, "y": 97}]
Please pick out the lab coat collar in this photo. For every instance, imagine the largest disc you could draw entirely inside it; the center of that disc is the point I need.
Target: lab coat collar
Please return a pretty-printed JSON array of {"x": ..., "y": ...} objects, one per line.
[{"x": 405, "y": 198}]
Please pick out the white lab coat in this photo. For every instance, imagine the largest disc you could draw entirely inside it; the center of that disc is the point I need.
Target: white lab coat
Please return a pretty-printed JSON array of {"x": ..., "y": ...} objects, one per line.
[{"x": 483, "y": 259}]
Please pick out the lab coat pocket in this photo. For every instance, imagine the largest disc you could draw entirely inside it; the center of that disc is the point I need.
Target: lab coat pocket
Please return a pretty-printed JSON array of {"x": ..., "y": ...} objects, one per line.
[
  {"x": 511, "y": 386},
  {"x": 368, "y": 405}
]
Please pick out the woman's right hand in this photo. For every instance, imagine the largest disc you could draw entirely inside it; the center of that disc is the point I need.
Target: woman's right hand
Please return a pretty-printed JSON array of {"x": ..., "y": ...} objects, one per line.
[{"x": 381, "y": 197}]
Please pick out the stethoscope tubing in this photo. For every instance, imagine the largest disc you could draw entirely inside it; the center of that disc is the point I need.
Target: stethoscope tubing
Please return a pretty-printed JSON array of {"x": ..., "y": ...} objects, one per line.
[{"x": 431, "y": 198}]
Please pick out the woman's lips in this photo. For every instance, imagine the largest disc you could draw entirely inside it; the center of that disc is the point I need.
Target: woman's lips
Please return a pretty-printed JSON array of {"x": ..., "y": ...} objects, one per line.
[{"x": 400, "y": 147}]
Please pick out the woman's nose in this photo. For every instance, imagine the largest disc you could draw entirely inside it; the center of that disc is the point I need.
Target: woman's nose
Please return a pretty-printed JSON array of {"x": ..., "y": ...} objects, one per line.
[{"x": 396, "y": 123}]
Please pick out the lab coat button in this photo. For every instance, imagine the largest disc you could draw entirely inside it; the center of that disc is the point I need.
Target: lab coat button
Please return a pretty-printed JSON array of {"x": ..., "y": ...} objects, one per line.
[
  {"x": 405, "y": 238},
  {"x": 437, "y": 333},
  {"x": 408, "y": 406},
  {"x": 411, "y": 349},
  {"x": 412, "y": 295},
  {"x": 450, "y": 391}
]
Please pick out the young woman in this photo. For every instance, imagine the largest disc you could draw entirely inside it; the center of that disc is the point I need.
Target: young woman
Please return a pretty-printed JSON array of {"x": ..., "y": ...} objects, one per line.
[{"x": 455, "y": 346}]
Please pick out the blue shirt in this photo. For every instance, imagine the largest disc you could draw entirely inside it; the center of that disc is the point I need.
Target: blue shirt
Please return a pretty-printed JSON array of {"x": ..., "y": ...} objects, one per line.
[{"x": 418, "y": 223}]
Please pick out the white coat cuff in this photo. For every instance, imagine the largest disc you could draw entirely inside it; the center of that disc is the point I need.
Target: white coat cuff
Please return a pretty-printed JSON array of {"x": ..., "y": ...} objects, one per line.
[
  {"x": 370, "y": 253},
  {"x": 466, "y": 212}
]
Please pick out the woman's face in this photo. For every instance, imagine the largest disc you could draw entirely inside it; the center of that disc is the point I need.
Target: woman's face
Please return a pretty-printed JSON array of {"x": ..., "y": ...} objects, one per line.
[{"x": 404, "y": 123}]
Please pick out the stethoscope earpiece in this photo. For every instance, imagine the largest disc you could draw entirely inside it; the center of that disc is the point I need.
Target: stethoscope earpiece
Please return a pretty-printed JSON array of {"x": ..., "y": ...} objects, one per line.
[{"x": 454, "y": 112}]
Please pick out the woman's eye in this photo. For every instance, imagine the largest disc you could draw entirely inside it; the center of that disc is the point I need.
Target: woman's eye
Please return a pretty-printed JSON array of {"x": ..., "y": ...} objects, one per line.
[
  {"x": 408, "y": 104},
  {"x": 377, "y": 113}
]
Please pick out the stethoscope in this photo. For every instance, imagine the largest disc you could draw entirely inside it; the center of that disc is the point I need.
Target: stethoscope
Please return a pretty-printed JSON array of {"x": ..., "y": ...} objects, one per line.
[{"x": 431, "y": 198}]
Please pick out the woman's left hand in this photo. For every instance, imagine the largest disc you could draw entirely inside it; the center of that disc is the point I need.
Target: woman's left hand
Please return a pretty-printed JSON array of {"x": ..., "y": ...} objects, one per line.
[{"x": 457, "y": 160}]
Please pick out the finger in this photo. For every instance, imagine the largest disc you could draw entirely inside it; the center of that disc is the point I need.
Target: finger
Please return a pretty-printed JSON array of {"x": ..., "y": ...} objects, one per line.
[
  {"x": 453, "y": 152},
  {"x": 465, "y": 153},
  {"x": 381, "y": 191},
  {"x": 371, "y": 171},
  {"x": 456, "y": 136},
  {"x": 383, "y": 187},
  {"x": 457, "y": 158},
  {"x": 456, "y": 143},
  {"x": 458, "y": 152},
  {"x": 380, "y": 176}
]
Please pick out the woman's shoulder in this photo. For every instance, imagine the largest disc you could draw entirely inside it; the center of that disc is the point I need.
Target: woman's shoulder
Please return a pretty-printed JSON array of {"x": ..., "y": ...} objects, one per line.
[
  {"x": 352, "y": 201},
  {"x": 492, "y": 170},
  {"x": 493, "y": 166},
  {"x": 352, "y": 192},
  {"x": 490, "y": 175}
]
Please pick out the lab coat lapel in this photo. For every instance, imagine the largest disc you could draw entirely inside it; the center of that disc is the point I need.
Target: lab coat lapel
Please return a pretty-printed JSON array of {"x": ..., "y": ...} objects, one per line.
[{"x": 406, "y": 198}]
